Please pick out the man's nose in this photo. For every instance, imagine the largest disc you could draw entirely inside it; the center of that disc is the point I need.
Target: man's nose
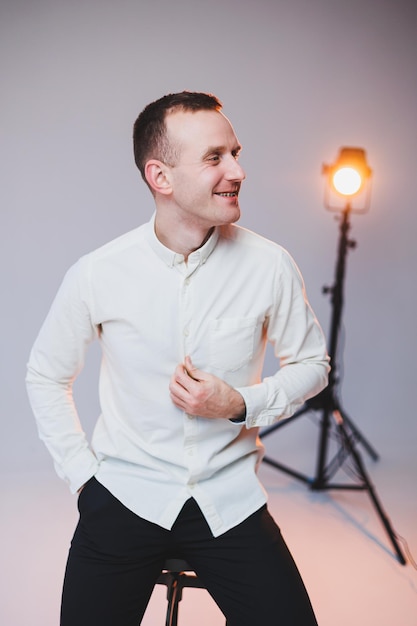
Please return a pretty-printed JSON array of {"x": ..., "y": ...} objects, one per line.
[{"x": 235, "y": 171}]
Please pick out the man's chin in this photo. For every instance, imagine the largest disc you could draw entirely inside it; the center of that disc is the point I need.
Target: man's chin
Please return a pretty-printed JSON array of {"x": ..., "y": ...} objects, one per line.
[{"x": 237, "y": 215}]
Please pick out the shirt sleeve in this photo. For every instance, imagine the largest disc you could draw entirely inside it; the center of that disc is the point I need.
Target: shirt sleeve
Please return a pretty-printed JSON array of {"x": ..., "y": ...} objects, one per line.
[
  {"x": 56, "y": 359},
  {"x": 300, "y": 347}
]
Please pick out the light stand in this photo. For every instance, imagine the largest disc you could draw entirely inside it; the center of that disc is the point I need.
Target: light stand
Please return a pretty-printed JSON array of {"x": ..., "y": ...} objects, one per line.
[{"x": 326, "y": 404}]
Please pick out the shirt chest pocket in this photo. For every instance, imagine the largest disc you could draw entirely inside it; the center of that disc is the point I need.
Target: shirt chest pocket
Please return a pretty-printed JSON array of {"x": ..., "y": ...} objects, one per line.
[{"x": 232, "y": 342}]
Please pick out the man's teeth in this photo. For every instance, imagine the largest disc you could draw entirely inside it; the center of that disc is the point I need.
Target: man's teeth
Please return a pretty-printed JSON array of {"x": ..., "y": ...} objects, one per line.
[{"x": 228, "y": 194}]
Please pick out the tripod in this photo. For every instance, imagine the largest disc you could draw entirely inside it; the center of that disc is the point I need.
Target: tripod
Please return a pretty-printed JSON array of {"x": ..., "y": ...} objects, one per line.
[{"x": 327, "y": 405}]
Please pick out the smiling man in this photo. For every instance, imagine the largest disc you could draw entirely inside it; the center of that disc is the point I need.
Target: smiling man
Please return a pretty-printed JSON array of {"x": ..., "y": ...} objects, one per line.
[{"x": 183, "y": 308}]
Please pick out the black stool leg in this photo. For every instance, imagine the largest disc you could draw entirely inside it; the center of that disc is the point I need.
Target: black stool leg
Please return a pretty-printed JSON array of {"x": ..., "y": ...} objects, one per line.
[
  {"x": 174, "y": 596},
  {"x": 175, "y": 577}
]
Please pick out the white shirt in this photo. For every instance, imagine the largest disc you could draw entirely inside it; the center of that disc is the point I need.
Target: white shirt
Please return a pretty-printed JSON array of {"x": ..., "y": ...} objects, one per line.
[{"x": 149, "y": 309}]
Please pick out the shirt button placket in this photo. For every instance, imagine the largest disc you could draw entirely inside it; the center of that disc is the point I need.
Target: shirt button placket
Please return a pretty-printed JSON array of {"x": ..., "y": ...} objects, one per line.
[
  {"x": 190, "y": 424},
  {"x": 186, "y": 315}
]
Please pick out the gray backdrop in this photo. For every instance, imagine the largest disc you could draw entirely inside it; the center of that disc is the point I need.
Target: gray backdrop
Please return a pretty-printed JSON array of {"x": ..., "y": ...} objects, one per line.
[{"x": 298, "y": 79}]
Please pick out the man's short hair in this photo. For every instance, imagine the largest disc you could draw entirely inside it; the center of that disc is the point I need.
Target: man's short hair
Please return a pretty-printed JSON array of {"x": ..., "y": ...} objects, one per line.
[{"x": 150, "y": 140}]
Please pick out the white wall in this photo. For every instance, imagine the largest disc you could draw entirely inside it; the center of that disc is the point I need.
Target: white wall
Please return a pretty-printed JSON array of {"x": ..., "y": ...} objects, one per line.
[{"x": 298, "y": 79}]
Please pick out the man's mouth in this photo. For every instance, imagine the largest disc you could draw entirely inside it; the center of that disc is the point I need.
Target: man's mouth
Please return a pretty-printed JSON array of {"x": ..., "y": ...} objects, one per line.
[{"x": 227, "y": 194}]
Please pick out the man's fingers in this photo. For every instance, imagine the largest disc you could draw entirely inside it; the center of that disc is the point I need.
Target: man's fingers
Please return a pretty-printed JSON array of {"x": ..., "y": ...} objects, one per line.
[
  {"x": 182, "y": 383},
  {"x": 183, "y": 377},
  {"x": 193, "y": 372}
]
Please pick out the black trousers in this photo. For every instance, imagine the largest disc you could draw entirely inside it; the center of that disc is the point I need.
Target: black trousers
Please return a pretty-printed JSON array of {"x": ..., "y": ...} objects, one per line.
[{"x": 116, "y": 557}]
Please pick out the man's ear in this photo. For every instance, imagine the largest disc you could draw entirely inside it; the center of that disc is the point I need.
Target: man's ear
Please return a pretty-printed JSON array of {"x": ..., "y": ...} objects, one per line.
[{"x": 157, "y": 175}]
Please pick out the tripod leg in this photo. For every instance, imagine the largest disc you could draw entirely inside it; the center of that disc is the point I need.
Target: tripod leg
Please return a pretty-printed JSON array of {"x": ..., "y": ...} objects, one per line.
[
  {"x": 320, "y": 481},
  {"x": 358, "y": 435},
  {"x": 286, "y": 469},
  {"x": 275, "y": 464},
  {"x": 368, "y": 485}
]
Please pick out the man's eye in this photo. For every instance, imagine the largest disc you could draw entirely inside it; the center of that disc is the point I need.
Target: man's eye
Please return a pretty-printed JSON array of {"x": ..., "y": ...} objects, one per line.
[{"x": 215, "y": 158}]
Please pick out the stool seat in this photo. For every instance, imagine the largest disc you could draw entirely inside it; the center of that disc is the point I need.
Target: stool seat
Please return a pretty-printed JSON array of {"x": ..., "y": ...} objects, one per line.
[{"x": 177, "y": 565}]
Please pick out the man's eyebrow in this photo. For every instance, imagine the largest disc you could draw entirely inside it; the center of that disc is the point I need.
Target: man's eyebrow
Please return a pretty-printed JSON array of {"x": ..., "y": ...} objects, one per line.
[{"x": 213, "y": 150}]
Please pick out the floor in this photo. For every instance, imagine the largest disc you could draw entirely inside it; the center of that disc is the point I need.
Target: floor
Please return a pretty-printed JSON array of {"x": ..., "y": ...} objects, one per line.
[{"x": 337, "y": 538}]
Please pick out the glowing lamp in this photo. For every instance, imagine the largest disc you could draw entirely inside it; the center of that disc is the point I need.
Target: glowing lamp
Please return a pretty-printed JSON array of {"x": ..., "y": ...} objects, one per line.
[{"x": 347, "y": 179}]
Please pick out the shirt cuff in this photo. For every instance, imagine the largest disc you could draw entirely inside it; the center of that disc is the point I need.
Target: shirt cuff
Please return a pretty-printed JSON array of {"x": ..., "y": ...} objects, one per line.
[
  {"x": 240, "y": 419},
  {"x": 78, "y": 470},
  {"x": 254, "y": 398}
]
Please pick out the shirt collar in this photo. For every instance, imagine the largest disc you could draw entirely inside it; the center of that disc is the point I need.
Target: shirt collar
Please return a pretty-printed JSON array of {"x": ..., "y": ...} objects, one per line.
[{"x": 171, "y": 258}]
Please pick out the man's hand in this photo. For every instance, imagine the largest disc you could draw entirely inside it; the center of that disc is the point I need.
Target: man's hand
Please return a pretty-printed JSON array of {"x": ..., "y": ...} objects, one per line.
[{"x": 199, "y": 393}]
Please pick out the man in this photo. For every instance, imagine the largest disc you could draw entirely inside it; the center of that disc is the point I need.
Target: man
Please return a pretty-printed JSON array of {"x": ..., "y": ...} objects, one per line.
[{"x": 183, "y": 307}]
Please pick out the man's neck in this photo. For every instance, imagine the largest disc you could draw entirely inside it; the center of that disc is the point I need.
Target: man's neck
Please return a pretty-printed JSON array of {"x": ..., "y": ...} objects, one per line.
[{"x": 182, "y": 238}]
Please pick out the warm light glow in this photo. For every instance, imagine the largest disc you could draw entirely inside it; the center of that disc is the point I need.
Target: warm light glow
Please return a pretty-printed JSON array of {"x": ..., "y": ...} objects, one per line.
[{"x": 347, "y": 181}]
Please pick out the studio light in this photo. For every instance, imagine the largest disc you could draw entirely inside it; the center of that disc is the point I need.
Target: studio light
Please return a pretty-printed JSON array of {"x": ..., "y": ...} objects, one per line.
[
  {"x": 347, "y": 190},
  {"x": 348, "y": 181}
]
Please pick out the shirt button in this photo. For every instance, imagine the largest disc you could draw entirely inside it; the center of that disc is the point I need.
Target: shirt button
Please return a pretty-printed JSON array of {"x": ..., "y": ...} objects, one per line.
[{"x": 186, "y": 332}]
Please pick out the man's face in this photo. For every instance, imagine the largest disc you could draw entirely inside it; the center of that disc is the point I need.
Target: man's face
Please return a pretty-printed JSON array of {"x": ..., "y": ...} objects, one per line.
[{"x": 207, "y": 176}]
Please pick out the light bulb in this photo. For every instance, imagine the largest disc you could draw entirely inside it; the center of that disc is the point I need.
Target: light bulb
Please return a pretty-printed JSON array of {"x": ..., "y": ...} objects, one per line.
[{"x": 347, "y": 181}]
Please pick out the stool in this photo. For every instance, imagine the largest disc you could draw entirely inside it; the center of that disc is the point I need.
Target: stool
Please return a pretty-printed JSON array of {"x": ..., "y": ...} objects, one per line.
[{"x": 175, "y": 577}]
